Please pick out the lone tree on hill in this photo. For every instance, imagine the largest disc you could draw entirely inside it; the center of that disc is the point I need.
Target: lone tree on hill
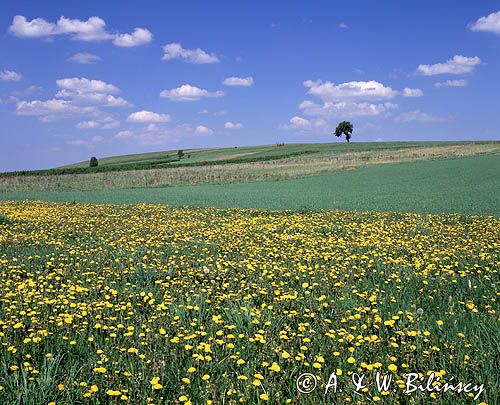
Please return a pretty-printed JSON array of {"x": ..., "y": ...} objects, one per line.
[
  {"x": 93, "y": 162},
  {"x": 344, "y": 128},
  {"x": 180, "y": 154}
]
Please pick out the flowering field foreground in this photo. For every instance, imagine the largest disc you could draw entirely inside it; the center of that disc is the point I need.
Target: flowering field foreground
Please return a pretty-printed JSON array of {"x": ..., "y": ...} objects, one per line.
[{"x": 152, "y": 304}]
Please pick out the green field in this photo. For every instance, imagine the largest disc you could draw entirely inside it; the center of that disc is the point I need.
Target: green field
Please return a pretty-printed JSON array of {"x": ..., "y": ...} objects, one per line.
[{"x": 469, "y": 185}]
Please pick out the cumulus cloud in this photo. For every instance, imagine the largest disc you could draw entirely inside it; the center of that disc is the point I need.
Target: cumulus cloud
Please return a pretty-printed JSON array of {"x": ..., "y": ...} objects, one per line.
[
  {"x": 233, "y": 125},
  {"x": 52, "y": 109},
  {"x": 87, "y": 125},
  {"x": 90, "y": 92},
  {"x": 124, "y": 134},
  {"x": 457, "y": 65},
  {"x": 85, "y": 85},
  {"x": 186, "y": 92},
  {"x": 299, "y": 123},
  {"x": 140, "y": 36},
  {"x": 356, "y": 90},
  {"x": 238, "y": 81},
  {"x": 159, "y": 134},
  {"x": 203, "y": 130},
  {"x": 104, "y": 123},
  {"x": 93, "y": 29},
  {"x": 346, "y": 109},
  {"x": 10, "y": 76},
  {"x": 148, "y": 116},
  {"x": 407, "y": 92},
  {"x": 76, "y": 96},
  {"x": 489, "y": 23},
  {"x": 198, "y": 56},
  {"x": 451, "y": 83},
  {"x": 85, "y": 58},
  {"x": 418, "y": 115}
]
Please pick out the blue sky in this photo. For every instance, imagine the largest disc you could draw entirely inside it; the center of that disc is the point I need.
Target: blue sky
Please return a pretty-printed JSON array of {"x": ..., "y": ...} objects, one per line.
[{"x": 102, "y": 78}]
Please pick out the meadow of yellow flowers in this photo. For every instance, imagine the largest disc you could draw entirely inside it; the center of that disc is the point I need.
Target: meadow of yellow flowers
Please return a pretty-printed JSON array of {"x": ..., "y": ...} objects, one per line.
[{"x": 152, "y": 304}]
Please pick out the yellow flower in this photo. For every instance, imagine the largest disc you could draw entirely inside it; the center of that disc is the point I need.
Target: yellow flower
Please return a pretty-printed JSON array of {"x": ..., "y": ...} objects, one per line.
[
  {"x": 264, "y": 397},
  {"x": 100, "y": 370},
  {"x": 205, "y": 377},
  {"x": 275, "y": 367},
  {"x": 113, "y": 393},
  {"x": 191, "y": 370},
  {"x": 351, "y": 360},
  {"x": 392, "y": 367}
]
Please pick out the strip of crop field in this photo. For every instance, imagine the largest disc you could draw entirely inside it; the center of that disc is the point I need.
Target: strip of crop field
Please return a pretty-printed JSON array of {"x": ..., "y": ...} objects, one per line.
[
  {"x": 295, "y": 164},
  {"x": 468, "y": 185}
]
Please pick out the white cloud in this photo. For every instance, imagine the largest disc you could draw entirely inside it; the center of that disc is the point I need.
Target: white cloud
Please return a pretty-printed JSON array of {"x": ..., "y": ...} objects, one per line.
[
  {"x": 77, "y": 142},
  {"x": 140, "y": 36},
  {"x": 109, "y": 123},
  {"x": 148, "y": 116},
  {"x": 84, "y": 85},
  {"x": 238, "y": 81},
  {"x": 124, "y": 134},
  {"x": 87, "y": 125},
  {"x": 345, "y": 109},
  {"x": 52, "y": 109},
  {"x": 10, "y": 76},
  {"x": 84, "y": 58},
  {"x": 202, "y": 130},
  {"x": 75, "y": 96},
  {"x": 94, "y": 29},
  {"x": 159, "y": 134},
  {"x": 90, "y": 92},
  {"x": 33, "y": 89},
  {"x": 105, "y": 123},
  {"x": 457, "y": 65},
  {"x": 233, "y": 125},
  {"x": 299, "y": 123},
  {"x": 186, "y": 92},
  {"x": 356, "y": 90},
  {"x": 451, "y": 83},
  {"x": 198, "y": 56},
  {"x": 343, "y": 25},
  {"x": 407, "y": 92},
  {"x": 490, "y": 23},
  {"x": 418, "y": 115}
]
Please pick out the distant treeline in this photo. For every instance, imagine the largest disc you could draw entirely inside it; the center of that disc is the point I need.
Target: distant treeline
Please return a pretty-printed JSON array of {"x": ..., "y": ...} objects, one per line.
[{"x": 169, "y": 162}]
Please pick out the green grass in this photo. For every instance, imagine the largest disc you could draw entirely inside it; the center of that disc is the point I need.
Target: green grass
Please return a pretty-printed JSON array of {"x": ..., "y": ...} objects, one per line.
[
  {"x": 263, "y": 151},
  {"x": 469, "y": 185}
]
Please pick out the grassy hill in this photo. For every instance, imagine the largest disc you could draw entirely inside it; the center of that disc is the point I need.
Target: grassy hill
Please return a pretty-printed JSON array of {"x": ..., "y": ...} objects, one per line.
[
  {"x": 468, "y": 185},
  {"x": 247, "y": 153},
  {"x": 234, "y": 165}
]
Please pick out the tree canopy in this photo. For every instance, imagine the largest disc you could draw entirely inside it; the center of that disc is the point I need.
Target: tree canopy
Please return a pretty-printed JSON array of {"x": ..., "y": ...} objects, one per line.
[{"x": 344, "y": 128}]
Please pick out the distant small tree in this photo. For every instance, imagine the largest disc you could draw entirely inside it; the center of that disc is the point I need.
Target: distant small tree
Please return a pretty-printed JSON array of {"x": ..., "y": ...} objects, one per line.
[
  {"x": 180, "y": 154},
  {"x": 93, "y": 162},
  {"x": 344, "y": 128}
]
